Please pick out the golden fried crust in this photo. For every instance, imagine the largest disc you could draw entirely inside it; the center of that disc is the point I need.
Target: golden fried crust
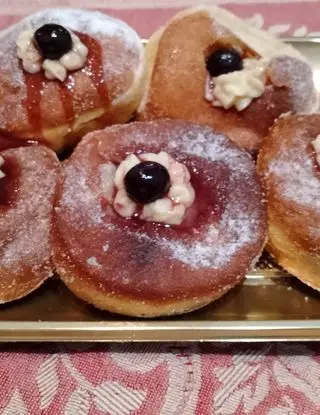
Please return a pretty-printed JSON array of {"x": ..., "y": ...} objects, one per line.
[
  {"x": 291, "y": 178},
  {"x": 65, "y": 111},
  {"x": 131, "y": 306},
  {"x": 177, "y": 82}
]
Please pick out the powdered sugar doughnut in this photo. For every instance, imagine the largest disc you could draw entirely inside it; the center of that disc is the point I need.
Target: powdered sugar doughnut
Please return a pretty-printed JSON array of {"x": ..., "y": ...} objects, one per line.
[
  {"x": 106, "y": 90},
  {"x": 142, "y": 268},
  {"x": 179, "y": 86},
  {"x": 29, "y": 177},
  {"x": 289, "y": 165}
]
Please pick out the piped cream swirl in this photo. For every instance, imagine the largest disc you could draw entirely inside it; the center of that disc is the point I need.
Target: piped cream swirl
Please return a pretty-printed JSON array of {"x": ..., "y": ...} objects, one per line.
[
  {"x": 32, "y": 61},
  {"x": 170, "y": 209},
  {"x": 2, "y": 174},
  {"x": 316, "y": 146},
  {"x": 237, "y": 88}
]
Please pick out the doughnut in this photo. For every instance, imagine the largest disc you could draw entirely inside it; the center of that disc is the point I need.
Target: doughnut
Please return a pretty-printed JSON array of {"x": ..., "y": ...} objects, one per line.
[
  {"x": 65, "y": 72},
  {"x": 157, "y": 218},
  {"x": 289, "y": 165},
  {"x": 210, "y": 67},
  {"x": 29, "y": 179}
]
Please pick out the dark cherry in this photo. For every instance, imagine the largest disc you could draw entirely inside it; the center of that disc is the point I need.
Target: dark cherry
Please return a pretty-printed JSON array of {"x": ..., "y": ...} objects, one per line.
[
  {"x": 223, "y": 61},
  {"x": 147, "y": 182},
  {"x": 53, "y": 41}
]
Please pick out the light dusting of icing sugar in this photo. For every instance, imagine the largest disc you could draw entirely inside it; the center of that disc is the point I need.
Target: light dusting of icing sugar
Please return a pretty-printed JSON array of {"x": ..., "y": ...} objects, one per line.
[
  {"x": 298, "y": 182},
  {"x": 237, "y": 227},
  {"x": 92, "y": 261},
  {"x": 25, "y": 226},
  {"x": 85, "y": 221},
  {"x": 91, "y": 22},
  {"x": 123, "y": 57},
  {"x": 293, "y": 175},
  {"x": 239, "y": 224},
  {"x": 214, "y": 150},
  {"x": 220, "y": 244},
  {"x": 78, "y": 195},
  {"x": 105, "y": 247},
  {"x": 298, "y": 77}
]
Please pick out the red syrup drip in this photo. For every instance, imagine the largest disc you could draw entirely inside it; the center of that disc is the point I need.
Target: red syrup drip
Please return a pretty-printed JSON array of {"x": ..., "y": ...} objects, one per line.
[
  {"x": 9, "y": 184},
  {"x": 94, "y": 66},
  {"x": 210, "y": 183},
  {"x": 35, "y": 84}
]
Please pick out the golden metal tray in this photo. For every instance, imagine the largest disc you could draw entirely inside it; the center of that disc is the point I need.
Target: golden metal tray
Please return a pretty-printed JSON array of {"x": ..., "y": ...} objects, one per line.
[{"x": 271, "y": 305}]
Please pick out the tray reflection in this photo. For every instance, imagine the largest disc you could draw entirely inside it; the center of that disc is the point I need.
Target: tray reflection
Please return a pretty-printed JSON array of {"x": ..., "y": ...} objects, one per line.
[{"x": 275, "y": 298}]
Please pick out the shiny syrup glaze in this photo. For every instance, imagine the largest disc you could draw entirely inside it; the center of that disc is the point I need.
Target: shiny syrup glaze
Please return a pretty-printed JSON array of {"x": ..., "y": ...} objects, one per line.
[
  {"x": 9, "y": 184},
  {"x": 35, "y": 84},
  {"x": 210, "y": 182},
  {"x": 7, "y": 141}
]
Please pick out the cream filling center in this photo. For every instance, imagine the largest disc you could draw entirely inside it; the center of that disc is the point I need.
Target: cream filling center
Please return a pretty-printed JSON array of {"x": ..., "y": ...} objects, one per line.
[
  {"x": 170, "y": 209},
  {"x": 316, "y": 146},
  {"x": 53, "y": 68}
]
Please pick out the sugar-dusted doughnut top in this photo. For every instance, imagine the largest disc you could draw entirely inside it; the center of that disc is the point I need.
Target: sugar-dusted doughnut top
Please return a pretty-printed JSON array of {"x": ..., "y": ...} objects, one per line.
[
  {"x": 114, "y": 62},
  {"x": 288, "y": 164},
  {"x": 220, "y": 237},
  {"x": 27, "y": 191},
  {"x": 178, "y": 75}
]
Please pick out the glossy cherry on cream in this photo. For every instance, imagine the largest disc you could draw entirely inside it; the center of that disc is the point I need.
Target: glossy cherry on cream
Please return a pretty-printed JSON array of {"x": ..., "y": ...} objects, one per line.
[
  {"x": 223, "y": 61},
  {"x": 147, "y": 182},
  {"x": 53, "y": 41}
]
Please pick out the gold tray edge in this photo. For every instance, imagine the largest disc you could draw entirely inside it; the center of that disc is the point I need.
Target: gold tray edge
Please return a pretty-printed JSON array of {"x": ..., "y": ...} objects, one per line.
[{"x": 184, "y": 331}]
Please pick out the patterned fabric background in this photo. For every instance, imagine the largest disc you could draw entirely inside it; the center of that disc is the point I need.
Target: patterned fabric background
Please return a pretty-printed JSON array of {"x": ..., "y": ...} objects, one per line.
[{"x": 166, "y": 379}]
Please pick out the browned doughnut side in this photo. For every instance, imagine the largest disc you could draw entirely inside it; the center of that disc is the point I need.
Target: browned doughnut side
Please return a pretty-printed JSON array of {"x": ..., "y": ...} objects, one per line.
[
  {"x": 92, "y": 292},
  {"x": 177, "y": 79},
  {"x": 293, "y": 239},
  {"x": 296, "y": 261}
]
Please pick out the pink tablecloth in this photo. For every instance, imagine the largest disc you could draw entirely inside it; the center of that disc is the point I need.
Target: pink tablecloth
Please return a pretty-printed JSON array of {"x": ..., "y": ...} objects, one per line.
[
  {"x": 157, "y": 379},
  {"x": 165, "y": 379}
]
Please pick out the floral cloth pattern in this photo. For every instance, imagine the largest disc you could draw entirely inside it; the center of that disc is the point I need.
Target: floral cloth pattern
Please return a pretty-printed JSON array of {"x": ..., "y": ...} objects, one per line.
[
  {"x": 166, "y": 379},
  {"x": 152, "y": 379}
]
